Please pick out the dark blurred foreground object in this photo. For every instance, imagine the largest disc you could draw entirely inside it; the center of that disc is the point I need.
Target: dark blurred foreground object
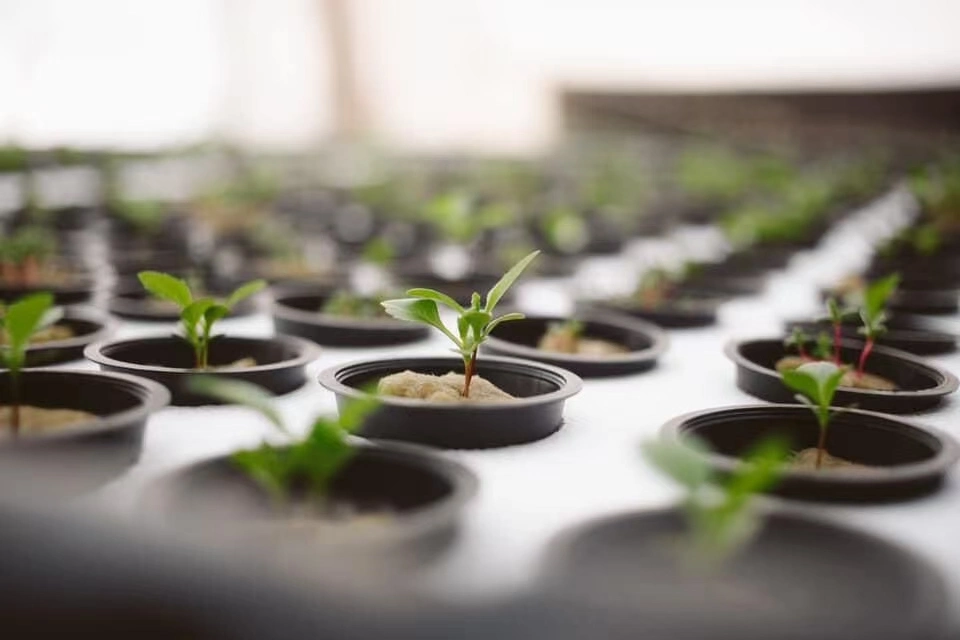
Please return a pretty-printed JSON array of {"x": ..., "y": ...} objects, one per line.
[
  {"x": 800, "y": 578},
  {"x": 62, "y": 577}
]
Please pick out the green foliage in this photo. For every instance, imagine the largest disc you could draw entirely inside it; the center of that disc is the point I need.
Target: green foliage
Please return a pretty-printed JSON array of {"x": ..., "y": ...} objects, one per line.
[
  {"x": 197, "y": 316},
  {"x": 823, "y": 348},
  {"x": 20, "y": 322},
  {"x": 474, "y": 323},
  {"x": 719, "y": 511},
  {"x": 144, "y": 216},
  {"x": 564, "y": 228},
  {"x": 453, "y": 214},
  {"x": 797, "y": 339},
  {"x": 349, "y": 305},
  {"x": 815, "y": 383},
  {"x": 288, "y": 472},
  {"x": 378, "y": 251},
  {"x": 27, "y": 243},
  {"x": 873, "y": 312}
]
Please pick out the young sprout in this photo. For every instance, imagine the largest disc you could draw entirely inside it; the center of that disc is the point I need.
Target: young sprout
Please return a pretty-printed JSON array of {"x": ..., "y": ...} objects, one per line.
[
  {"x": 873, "y": 314},
  {"x": 815, "y": 384},
  {"x": 18, "y": 323},
  {"x": 378, "y": 252},
  {"x": 798, "y": 339},
  {"x": 197, "y": 316},
  {"x": 823, "y": 348},
  {"x": 309, "y": 465},
  {"x": 719, "y": 511},
  {"x": 474, "y": 324}
]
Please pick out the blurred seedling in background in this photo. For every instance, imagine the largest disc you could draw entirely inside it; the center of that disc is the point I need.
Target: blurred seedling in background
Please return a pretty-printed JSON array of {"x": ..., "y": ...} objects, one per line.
[
  {"x": 474, "y": 323},
  {"x": 197, "y": 316}
]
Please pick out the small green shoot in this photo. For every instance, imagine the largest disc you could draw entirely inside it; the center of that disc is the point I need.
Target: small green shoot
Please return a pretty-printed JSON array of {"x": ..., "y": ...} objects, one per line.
[
  {"x": 798, "y": 340},
  {"x": 823, "y": 348},
  {"x": 287, "y": 471},
  {"x": 23, "y": 254},
  {"x": 197, "y": 316},
  {"x": 474, "y": 323},
  {"x": 815, "y": 384},
  {"x": 873, "y": 314},
  {"x": 719, "y": 511},
  {"x": 19, "y": 322},
  {"x": 836, "y": 312}
]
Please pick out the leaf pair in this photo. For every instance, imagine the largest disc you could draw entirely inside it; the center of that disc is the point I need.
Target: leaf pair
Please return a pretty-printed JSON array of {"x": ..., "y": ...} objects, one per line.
[
  {"x": 873, "y": 311},
  {"x": 197, "y": 316},
  {"x": 816, "y": 384},
  {"x": 310, "y": 464},
  {"x": 21, "y": 321},
  {"x": 718, "y": 511}
]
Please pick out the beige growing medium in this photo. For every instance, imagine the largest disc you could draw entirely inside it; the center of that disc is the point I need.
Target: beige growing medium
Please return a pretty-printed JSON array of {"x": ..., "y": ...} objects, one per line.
[{"x": 447, "y": 388}]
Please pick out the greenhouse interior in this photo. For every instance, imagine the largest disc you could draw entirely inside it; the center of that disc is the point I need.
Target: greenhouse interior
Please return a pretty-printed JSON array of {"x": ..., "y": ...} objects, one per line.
[{"x": 453, "y": 319}]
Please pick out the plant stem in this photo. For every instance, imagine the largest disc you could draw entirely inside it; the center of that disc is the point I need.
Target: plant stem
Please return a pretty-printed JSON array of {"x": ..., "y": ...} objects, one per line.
[
  {"x": 15, "y": 406},
  {"x": 469, "y": 368},
  {"x": 821, "y": 446},
  {"x": 867, "y": 348}
]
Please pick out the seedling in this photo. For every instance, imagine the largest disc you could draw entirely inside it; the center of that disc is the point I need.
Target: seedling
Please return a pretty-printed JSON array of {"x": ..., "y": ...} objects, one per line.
[
  {"x": 815, "y": 384},
  {"x": 720, "y": 512},
  {"x": 873, "y": 314},
  {"x": 23, "y": 254},
  {"x": 20, "y": 322},
  {"x": 474, "y": 324},
  {"x": 836, "y": 314},
  {"x": 289, "y": 471},
  {"x": 197, "y": 316},
  {"x": 798, "y": 339}
]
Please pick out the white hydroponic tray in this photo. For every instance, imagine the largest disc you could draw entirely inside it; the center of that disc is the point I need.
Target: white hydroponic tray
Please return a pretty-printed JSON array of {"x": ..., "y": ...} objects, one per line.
[{"x": 592, "y": 466}]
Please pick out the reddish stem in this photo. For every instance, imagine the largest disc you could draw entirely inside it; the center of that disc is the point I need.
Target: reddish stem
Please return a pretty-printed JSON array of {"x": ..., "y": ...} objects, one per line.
[
  {"x": 867, "y": 348},
  {"x": 468, "y": 373}
]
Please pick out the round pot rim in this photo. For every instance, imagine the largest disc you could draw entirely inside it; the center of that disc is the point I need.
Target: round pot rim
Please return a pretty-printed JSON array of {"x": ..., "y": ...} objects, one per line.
[
  {"x": 107, "y": 326},
  {"x": 279, "y": 309},
  {"x": 941, "y": 461},
  {"x": 912, "y": 335},
  {"x": 933, "y": 599},
  {"x": 947, "y": 382},
  {"x": 155, "y": 397},
  {"x": 658, "y": 338},
  {"x": 465, "y": 486},
  {"x": 307, "y": 352},
  {"x": 570, "y": 384}
]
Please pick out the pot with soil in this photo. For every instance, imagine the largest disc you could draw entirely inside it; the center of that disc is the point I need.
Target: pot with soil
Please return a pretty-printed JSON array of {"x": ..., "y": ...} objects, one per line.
[
  {"x": 65, "y": 341},
  {"x": 339, "y": 319},
  {"x": 868, "y": 457},
  {"x": 75, "y": 430},
  {"x": 390, "y": 504},
  {"x": 278, "y": 364},
  {"x": 510, "y": 401},
  {"x": 799, "y": 577},
  {"x": 589, "y": 345},
  {"x": 890, "y": 381}
]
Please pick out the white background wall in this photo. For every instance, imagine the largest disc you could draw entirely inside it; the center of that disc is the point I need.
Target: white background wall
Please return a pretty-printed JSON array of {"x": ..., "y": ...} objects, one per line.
[{"x": 436, "y": 74}]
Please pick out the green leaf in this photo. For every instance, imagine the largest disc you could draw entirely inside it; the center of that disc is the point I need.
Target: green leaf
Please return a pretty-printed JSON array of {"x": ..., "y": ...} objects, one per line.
[
  {"x": 477, "y": 321},
  {"x": 417, "y": 310},
  {"x": 193, "y": 312},
  {"x": 876, "y": 295},
  {"x": 818, "y": 381},
  {"x": 683, "y": 462},
  {"x": 436, "y": 296},
  {"x": 500, "y": 289},
  {"x": 24, "y": 317},
  {"x": 355, "y": 412},
  {"x": 244, "y": 291},
  {"x": 508, "y": 317},
  {"x": 166, "y": 287},
  {"x": 238, "y": 392},
  {"x": 214, "y": 314},
  {"x": 760, "y": 471}
]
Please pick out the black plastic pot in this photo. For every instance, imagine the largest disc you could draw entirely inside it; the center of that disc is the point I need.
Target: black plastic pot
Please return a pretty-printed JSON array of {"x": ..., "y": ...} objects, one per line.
[
  {"x": 282, "y": 361},
  {"x": 87, "y": 326},
  {"x": 799, "y": 578},
  {"x": 905, "y": 332},
  {"x": 79, "y": 291},
  {"x": 922, "y": 385},
  {"x": 136, "y": 304},
  {"x": 296, "y": 312},
  {"x": 536, "y": 413},
  {"x": 78, "y": 458},
  {"x": 689, "y": 311},
  {"x": 901, "y": 460},
  {"x": 646, "y": 343},
  {"x": 423, "y": 494}
]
